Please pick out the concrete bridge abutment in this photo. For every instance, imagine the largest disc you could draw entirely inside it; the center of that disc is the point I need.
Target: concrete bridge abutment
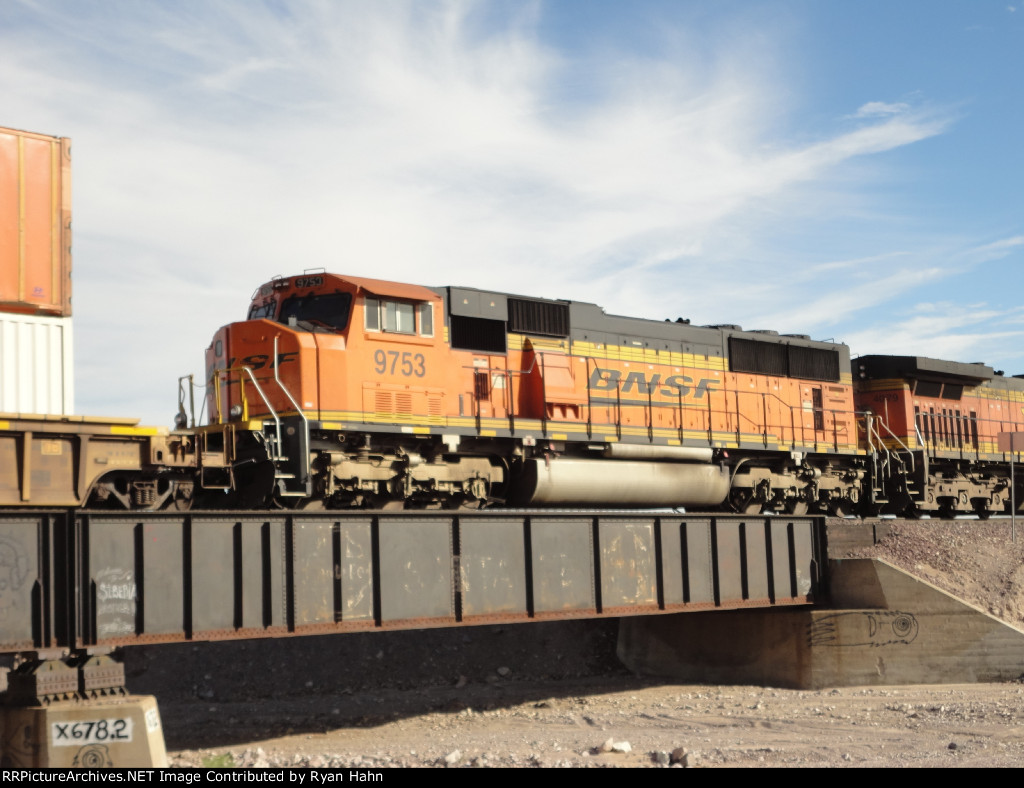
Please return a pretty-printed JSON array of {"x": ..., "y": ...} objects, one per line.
[{"x": 882, "y": 627}]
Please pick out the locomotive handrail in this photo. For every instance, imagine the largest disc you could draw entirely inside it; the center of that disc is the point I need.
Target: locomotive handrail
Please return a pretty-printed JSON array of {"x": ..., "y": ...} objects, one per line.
[
  {"x": 190, "y": 419},
  {"x": 900, "y": 442},
  {"x": 764, "y": 427},
  {"x": 543, "y": 395},
  {"x": 872, "y": 435},
  {"x": 245, "y": 402},
  {"x": 765, "y": 430},
  {"x": 792, "y": 411},
  {"x": 509, "y": 393},
  {"x": 792, "y": 414},
  {"x": 305, "y": 421},
  {"x": 744, "y": 417}
]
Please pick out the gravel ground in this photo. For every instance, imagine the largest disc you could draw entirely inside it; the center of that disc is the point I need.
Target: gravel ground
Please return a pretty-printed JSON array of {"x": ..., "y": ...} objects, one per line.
[{"x": 553, "y": 694}]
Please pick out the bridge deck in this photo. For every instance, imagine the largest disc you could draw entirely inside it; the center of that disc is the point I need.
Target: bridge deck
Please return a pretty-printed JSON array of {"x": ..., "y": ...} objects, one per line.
[{"x": 75, "y": 580}]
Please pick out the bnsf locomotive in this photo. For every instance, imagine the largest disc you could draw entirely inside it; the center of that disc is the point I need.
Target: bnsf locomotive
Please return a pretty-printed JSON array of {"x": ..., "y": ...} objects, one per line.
[{"x": 341, "y": 391}]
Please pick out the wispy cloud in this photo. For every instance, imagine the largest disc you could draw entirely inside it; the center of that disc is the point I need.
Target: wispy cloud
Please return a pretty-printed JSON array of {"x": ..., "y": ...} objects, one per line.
[
  {"x": 945, "y": 330},
  {"x": 219, "y": 144},
  {"x": 997, "y": 250},
  {"x": 875, "y": 109}
]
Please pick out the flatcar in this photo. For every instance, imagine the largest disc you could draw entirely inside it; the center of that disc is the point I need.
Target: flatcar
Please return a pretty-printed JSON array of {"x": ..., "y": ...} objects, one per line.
[{"x": 81, "y": 462}]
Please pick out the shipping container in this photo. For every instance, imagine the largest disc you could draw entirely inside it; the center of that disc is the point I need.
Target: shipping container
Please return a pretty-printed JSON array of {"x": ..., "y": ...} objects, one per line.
[
  {"x": 35, "y": 223},
  {"x": 36, "y": 364}
]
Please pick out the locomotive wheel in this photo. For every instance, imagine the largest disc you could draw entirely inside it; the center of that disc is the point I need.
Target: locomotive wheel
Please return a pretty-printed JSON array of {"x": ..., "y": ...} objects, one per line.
[
  {"x": 389, "y": 505},
  {"x": 844, "y": 507},
  {"x": 796, "y": 507},
  {"x": 303, "y": 504},
  {"x": 461, "y": 503},
  {"x": 743, "y": 501}
]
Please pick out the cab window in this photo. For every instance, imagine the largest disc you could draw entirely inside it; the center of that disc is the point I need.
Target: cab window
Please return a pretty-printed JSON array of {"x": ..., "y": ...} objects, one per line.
[
  {"x": 330, "y": 310},
  {"x": 266, "y": 310},
  {"x": 425, "y": 316},
  {"x": 399, "y": 317}
]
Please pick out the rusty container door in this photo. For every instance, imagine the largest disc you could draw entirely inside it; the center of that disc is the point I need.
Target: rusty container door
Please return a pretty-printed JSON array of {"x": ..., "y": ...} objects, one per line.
[{"x": 35, "y": 223}]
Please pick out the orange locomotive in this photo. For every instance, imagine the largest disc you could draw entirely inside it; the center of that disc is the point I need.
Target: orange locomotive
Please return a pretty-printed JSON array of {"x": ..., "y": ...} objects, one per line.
[
  {"x": 932, "y": 430},
  {"x": 341, "y": 391}
]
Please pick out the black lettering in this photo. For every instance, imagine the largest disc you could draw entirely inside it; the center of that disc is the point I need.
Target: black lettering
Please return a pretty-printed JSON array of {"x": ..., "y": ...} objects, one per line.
[
  {"x": 677, "y": 386},
  {"x": 283, "y": 358},
  {"x": 604, "y": 379},
  {"x": 256, "y": 361},
  {"x": 643, "y": 386},
  {"x": 672, "y": 386},
  {"x": 703, "y": 386}
]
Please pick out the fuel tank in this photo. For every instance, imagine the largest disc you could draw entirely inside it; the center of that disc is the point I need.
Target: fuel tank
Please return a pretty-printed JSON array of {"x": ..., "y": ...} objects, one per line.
[{"x": 576, "y": 482}]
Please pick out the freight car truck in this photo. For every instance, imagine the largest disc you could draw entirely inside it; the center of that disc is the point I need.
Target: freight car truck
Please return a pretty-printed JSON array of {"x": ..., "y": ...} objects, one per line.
[{"x": 55, "y": 461}]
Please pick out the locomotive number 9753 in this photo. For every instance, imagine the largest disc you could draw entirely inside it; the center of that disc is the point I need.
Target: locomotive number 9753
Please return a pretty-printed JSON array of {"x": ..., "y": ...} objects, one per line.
[{"x": 393, "y": 362}]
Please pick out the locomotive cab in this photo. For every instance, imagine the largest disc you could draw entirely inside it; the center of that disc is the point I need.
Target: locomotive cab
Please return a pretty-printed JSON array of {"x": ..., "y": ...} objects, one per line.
[
  {"x": 335, "y": 377},
  {"x": 303, "y": 336}
]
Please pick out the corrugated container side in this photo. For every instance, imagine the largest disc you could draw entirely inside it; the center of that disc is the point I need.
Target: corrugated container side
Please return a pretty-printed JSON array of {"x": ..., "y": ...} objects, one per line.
[
  {"x": 36, "y": 365},
  {"x": 35, "y": 223}
]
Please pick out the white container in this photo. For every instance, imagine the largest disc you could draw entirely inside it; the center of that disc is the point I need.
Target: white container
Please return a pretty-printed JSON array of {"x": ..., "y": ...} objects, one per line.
[{"x": 36, "y": 365}]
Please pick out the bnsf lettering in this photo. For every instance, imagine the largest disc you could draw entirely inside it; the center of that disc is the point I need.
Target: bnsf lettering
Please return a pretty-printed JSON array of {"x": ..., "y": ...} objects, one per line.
[
  {"x": 259, "y": 360},
  {"x": 254, "y": 362},
  {"x": 672, "y": 386}
]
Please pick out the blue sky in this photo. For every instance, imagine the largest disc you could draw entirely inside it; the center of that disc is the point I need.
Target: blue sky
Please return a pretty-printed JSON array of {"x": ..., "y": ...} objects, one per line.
[{"x": 849, "y": 170}]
